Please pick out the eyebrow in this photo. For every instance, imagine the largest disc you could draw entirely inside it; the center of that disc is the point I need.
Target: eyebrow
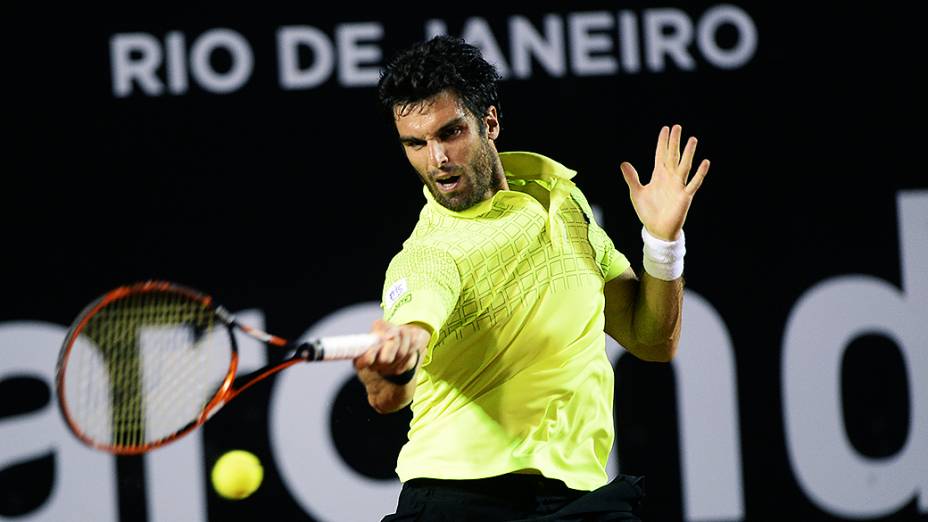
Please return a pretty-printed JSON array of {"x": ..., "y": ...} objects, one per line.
[{"x": 444, "y": 128}]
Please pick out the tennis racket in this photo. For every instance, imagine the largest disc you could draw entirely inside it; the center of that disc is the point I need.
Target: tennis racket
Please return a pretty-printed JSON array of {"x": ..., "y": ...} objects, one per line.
[{"x": 147, "y": 363}]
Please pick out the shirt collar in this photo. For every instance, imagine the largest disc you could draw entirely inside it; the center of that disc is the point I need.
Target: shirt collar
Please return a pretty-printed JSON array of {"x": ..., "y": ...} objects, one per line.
[
  {"x": 531, "y": 166},
  {"x": 519, "y": 167}
]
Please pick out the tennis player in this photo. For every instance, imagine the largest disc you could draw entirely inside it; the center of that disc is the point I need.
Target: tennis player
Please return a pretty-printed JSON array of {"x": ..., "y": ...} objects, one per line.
[{"x": 497, "y": 306}]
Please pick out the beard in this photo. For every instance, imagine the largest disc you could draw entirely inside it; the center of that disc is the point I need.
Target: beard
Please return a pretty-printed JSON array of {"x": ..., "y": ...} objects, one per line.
[{"x": 480, "y": 179}]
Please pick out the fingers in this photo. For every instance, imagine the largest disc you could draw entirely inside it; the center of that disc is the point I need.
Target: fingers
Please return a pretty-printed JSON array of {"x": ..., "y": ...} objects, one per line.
[
  {"x": 681, "y": 164},
  {"x": 686, "y": 163},
  {"x": 394, "y": 353},
  {"x": 668, "y": 160},
  {"x": 379, "y": 357},
  {"x": 631, "y": 177},
  {"x": 380, "y": 326},
  {"x": 367, "y": 358},
  {"x": 373, "y": 354},
  {"x": 389, "y": 350},
  {"x": 673, "y": 146},
  {"x": 406, "y": 363},
  {"x": 395, "y": 347},
  {"x": 700, "y": 175},
  {"x": 660, "y": 153}
]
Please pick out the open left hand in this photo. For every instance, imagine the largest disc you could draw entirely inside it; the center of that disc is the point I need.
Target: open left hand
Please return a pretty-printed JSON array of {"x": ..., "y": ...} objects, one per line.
[{"x": 662, "y": 204}]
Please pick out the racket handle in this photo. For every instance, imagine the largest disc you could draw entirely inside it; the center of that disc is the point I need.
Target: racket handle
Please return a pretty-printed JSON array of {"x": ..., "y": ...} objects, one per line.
[{"x": 337, "y": 347}]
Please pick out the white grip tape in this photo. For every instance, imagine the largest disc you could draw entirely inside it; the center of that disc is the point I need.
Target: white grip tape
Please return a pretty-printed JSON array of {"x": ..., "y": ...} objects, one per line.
[{"x": 346, "y": 346}]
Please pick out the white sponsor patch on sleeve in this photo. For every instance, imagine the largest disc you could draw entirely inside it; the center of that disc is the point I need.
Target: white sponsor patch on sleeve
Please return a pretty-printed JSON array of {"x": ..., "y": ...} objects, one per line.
[{"x": 395, "y": 292}]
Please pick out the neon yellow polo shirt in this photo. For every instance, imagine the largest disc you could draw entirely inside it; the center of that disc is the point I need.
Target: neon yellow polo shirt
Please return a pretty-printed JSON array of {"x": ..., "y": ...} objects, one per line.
[{"x": 517, "y": 377}]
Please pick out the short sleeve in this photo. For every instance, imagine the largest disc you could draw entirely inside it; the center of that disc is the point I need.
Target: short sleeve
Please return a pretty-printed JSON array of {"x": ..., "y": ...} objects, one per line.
[
  {"x": 422, "y": 285},
  {"x": 611, "y": 261}
]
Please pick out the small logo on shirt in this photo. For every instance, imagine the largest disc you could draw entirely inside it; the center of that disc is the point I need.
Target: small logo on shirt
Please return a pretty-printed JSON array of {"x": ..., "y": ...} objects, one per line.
[{"x": 396, "y": 291}]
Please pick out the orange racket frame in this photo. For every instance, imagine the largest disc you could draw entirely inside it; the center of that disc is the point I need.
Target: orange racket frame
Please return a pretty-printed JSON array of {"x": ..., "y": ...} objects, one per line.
[{"x": 326, "y": 348}]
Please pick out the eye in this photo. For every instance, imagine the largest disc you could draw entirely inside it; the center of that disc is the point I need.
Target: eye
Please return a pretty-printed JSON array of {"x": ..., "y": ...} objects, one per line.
[{"x": 453, "y": 132}]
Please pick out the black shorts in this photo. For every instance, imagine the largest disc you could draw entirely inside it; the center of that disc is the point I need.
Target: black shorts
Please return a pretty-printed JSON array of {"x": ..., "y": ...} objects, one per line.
[{"x": 516, "y": 497}]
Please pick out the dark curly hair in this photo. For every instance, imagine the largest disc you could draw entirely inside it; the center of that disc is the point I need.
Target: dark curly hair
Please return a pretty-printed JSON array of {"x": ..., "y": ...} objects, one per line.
[{"x": 442, "y": 63}]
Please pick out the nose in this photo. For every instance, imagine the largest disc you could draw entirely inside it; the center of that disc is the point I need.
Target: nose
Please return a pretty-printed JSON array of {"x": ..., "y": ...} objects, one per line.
[{"x": 437, "y": 156}]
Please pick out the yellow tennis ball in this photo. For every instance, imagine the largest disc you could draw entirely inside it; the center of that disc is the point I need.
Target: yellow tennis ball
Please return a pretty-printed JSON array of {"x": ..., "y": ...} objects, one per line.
[{"x": 237, "y": 474}]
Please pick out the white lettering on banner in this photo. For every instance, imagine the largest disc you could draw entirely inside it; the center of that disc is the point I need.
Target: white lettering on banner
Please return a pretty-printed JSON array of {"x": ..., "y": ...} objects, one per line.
[
  {"x": 85, "y": 479},
  {"x": 628, "y": 33},
  {"x": 828, "y": 469},
  {"x": 435, "y": 28},
  {"x": 242, "y": 61},
  {"x": 594, "y": 39},
  {"x": 525, "y": 42},
  {"x": 351, "y": 54},
  {"x": 707, "y": 406},
  {"x": 289, "y": 41},
  {"x": 309, "y": 464},
  {"x": 660, "y": 42},
  {"x": 707, "y": 409},
  {"x": 144, "y": 69},
  {"x": 594, "y": 43},
  {"x": 824, "y": 321},
  {"x": 174, "y": 480},
  {"x": 84, "y": 486},
  {"x": 174, "y": 474},
  {"x": 586, "y": 38},
  {"x": 477, "y": 32},
  {"x": 127, "y": 71},
  {"x": 709, "y": 25},
  {"x": 176, "y": 62}
]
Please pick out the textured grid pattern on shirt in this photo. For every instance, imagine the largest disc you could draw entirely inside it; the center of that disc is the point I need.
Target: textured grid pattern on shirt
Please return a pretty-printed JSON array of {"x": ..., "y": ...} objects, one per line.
[{"x": 504, "y": 259}]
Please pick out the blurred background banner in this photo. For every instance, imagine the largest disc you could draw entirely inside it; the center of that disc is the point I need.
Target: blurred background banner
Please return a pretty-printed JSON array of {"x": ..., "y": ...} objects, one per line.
[{"x": 241, "y": 151}]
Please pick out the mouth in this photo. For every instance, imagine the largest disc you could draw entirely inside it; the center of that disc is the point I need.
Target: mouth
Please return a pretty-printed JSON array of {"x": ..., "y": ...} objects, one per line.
[{"x": 448, "y": 184}]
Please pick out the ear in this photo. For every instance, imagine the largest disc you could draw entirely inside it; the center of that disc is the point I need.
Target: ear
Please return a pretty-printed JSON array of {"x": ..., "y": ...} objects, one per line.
[{"x": 491, "y": 120}]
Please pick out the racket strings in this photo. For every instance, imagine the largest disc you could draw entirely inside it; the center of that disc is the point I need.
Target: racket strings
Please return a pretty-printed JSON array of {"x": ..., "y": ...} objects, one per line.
[{"x": 146, "y": 364}]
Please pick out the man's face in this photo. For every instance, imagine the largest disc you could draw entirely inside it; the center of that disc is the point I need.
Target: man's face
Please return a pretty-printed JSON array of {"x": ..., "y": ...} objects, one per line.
[{"x": 450, "y": 151}]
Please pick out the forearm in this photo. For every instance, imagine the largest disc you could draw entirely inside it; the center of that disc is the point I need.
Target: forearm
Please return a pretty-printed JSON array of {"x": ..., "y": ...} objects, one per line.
[
  {"x": 388, "y": 369},
  {"x": 662, "y": 206},
  {"x": 657, "y": 318}
]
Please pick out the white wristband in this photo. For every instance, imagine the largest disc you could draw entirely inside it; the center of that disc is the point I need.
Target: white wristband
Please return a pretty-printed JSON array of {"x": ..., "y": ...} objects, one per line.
[{"x": 663, "y": 259}]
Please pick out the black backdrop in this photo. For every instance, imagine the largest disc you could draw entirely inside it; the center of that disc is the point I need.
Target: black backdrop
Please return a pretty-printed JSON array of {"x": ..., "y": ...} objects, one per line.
[{"x": 293, "y": 201}]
